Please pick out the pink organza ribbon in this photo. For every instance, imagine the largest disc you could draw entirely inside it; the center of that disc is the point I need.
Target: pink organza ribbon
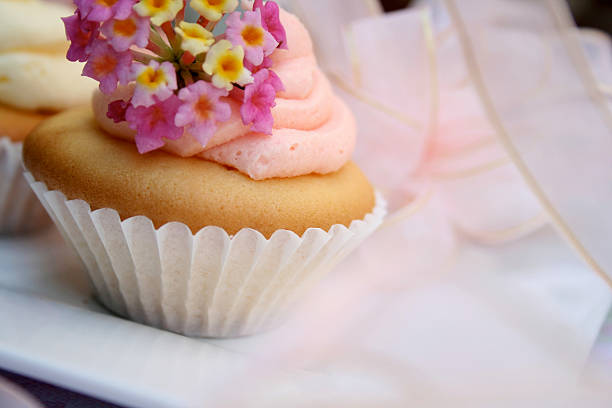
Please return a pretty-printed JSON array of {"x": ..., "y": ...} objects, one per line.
[{"x": 420, "y": 119}]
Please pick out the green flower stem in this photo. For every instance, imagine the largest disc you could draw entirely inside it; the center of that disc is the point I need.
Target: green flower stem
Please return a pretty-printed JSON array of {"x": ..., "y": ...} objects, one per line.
[
  {"x": 144, "y": 58},
  {"x": 186, "y": 75},
  {"x": 165, "y": 51},
  {"x": 211, "y": 26},
  {"x": 201, "y": 75}
]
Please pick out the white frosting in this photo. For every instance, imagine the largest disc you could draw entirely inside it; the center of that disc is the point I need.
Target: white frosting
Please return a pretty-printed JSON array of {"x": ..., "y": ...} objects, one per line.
[
  {"x": 34, "y": 72},
  {"x": 38, "y": 81},
  {"x": 31, "y": 23}
]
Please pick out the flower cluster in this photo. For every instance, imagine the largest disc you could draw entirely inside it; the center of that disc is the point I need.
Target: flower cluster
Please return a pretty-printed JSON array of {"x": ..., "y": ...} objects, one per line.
[{"x": 182, "y": 73}]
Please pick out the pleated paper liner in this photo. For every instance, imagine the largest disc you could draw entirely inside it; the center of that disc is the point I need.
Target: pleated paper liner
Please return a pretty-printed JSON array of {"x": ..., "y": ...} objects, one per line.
[
  {"x": 20, "y": 210},
  {"x": 208, "y": 284}
]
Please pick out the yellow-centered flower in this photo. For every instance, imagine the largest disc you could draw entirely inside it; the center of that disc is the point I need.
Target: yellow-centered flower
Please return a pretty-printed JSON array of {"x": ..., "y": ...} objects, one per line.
[
  {"x": 225, "y": 63},
  {"x": 151, "y": 78},
  {"x": 194, "y": 38},
  {"x": 160, "y": 11},
  {"x": 213, "y": 10},
  {"x": 155, "y": 79}
]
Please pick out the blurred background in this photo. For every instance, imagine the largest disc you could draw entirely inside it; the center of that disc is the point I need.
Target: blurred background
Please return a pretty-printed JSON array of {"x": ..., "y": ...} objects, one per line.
[{"x": 587, "y": 13}]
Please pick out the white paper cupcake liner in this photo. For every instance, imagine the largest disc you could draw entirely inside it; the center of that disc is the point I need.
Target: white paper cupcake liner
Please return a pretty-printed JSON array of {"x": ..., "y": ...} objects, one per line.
[
  {"x": 207, "y": 284},
  {"x": 20, "y": 210}
]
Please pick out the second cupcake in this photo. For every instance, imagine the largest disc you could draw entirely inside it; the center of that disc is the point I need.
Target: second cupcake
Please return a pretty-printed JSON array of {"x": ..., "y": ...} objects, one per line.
[{"x": 36, "y": 81}]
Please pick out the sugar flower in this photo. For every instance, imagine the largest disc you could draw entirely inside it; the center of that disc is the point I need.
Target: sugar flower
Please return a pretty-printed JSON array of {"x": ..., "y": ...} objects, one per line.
[
  {"x": 273, "y": 79},
  {"x": 213, "y": 10},
  {"x": 155, "y": 79},
  {"x": 194, "y": 38},
  {"x": 225, "y": 64},
  {"x": 258, "y": 102},
  {"x": 122, "y": 34},
  {"x": 160, "y": 11},
  {"x": 266, "y": 63},
  {"x": 116, "y": 110},
  {"x": 270, "y": 20},
  {"x": 180, "y": 74},
  {"x": 81, "y": 34},
  {"x": 250, "y": 35},
  {"x": 202, "y": 109},
  {"x": 107, "y": 66},
  {"x": 102, "y": 10},
  {"x": 154, "y": 123}
]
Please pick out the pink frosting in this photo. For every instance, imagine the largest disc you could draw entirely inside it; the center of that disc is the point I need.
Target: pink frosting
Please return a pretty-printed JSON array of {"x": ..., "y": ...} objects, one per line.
[{"x": 314, "y": 132}]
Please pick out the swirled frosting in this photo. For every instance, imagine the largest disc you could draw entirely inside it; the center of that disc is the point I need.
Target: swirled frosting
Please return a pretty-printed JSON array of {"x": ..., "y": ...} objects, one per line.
[
  {"x": 34, "y": 72},
  {"x": 314, "y": 132}
]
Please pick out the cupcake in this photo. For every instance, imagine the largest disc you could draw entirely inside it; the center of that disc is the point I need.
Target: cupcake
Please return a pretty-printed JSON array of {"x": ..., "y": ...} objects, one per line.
[
  {"x": 210, "y": 182},
  {"x": 35, "y": 82}
]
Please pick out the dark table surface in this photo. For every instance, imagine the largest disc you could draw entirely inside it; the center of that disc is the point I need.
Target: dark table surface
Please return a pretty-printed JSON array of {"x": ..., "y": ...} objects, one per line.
[{"x": 51, "y": 396}]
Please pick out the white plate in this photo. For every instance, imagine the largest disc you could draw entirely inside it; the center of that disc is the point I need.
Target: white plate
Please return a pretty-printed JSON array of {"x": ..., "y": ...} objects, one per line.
[{"x": 349, "y": 342}]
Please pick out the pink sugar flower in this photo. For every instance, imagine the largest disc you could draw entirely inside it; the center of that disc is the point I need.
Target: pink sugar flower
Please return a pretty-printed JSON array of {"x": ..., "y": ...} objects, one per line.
[
  {"x": 266, "y": 63},
  {"x": 116, "y": 110},
  {"x": 155, "y": 79},
  {"x": 107, "y": 66},
  {"x": 122, "y": 34},
  {"x": 80, "y": 33},
  {"x": 270, "y": 20},
  {"x": 275, "y": 81},
  {"x": 154, "y": 123},
  {"x": 258, "y": 102},
  {"x": 250, "y": 35},
  {"x": 102, "y": 10},
  {"x": 202, "y": 109}
]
